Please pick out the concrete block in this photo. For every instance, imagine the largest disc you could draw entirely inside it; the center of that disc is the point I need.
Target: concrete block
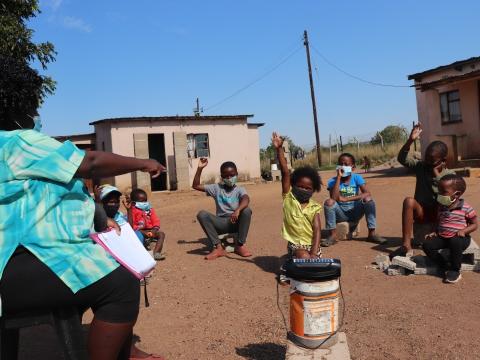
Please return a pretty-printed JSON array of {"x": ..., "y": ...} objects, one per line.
[
  {"x": 395, "y": 270},
  {"x": 343, "y": 229},
  {"x": 339, "y": 351},
  {"x": 383, "y": 261},
  {"x": 473, "y": 249},
  {"x": 404, "y": 262},
  {"x": 471, "y": 267}
]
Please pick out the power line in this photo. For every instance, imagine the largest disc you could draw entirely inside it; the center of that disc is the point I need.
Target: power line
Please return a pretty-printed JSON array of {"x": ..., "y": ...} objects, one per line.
[
  {"x": 324, "y": 58},
  {"x": 261, "y": 77}
]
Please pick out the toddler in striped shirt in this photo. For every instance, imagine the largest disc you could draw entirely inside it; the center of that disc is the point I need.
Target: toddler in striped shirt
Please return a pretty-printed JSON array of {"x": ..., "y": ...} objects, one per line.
[{"x": 456, "y": 221}]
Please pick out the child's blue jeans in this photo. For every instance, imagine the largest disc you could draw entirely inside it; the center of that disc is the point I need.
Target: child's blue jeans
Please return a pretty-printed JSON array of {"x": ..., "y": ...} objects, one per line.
[{"x": 335, "y": 214}]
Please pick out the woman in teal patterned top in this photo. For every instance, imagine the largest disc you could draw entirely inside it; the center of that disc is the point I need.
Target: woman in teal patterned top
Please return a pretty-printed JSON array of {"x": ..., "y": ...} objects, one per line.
[{"x": 46, "y": 256}]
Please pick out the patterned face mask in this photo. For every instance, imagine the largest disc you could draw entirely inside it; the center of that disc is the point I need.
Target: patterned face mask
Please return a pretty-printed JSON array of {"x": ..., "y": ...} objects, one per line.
[{"x": 230, "y": 182}]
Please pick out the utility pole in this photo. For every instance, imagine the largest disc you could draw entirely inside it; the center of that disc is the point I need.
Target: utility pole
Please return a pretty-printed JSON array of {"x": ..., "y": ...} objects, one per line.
[
  {"x": 312, "y": 94},
  {"x": 330, "y": 149}
]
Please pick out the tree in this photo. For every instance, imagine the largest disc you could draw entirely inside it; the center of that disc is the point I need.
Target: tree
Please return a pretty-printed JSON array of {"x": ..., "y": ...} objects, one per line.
[
  {"x": 391, "y": 134},
  {"x": 16, "y": 39}
]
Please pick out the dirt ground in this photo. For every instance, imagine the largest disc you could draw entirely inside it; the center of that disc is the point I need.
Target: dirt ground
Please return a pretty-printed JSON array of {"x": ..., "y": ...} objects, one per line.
[{"x": 230, "y": 308}]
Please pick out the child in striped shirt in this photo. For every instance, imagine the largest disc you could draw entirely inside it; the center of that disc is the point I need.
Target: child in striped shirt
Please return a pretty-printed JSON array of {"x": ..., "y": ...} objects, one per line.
[{"x": 456, "y": 221}]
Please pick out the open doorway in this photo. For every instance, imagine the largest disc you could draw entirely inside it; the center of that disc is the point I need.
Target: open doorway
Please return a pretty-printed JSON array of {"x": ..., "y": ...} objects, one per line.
[{"x": 156, "y": 150}]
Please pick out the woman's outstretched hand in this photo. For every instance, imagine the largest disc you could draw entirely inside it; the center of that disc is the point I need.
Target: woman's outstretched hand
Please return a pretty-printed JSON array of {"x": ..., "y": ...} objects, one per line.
[{"x": 153, "y": 167}]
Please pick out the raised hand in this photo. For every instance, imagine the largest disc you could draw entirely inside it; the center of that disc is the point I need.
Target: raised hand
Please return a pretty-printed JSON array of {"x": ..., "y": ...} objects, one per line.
[
  {"x": 127, "y": 202},
  {"x": 203, "y": 162},
  {"x": 416, "y": 131},
  {"x": 96, "y": 192},
  {"x": 277, "y": 140}
]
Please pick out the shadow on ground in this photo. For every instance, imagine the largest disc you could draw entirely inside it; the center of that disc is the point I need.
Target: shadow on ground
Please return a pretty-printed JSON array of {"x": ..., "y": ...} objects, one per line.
[
  {"x": 263, "y": 351},
  {"x": 270, "y": 264}
]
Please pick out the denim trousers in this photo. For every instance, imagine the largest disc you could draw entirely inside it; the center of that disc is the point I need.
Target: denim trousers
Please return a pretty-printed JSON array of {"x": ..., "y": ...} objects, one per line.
[{"x": 335, "y": 214}]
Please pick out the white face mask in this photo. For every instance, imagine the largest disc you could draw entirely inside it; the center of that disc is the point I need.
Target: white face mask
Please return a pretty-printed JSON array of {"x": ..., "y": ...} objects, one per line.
[{"x": 347, "y": 170}]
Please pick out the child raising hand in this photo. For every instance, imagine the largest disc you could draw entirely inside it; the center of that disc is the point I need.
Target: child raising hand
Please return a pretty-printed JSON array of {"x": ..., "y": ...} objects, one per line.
[{"x": 301, "y": 215}]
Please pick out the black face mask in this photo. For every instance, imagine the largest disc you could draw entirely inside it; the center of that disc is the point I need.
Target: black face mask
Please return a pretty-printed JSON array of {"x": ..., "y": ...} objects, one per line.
[
  {"x": 303, "y": 196},
  {"x": 111, "y": 210}
]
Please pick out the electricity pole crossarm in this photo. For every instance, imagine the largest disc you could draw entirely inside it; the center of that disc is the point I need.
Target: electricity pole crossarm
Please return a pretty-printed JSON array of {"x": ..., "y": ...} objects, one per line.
[{"x": 312, "y": 93}]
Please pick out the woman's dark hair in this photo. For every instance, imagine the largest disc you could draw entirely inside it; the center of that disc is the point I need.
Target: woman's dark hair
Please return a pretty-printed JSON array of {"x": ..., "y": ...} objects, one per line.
[
  {"x": 347, "y": 155},
  {"x": 20, "y": 92},
  {"x": 228, "y": 164},
  {"x": 458, "y": 184},
  {"x": 136, "y": 193},
  {"x": 308, "y": 172}
]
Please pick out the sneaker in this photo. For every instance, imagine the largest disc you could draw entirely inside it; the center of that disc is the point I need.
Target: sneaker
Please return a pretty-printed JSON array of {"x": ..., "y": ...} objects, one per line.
[
  {"x": 242, "y": 251},
  {"x": 216, "y": 253},
  {"x": 452, "y": 277},
  {"x": 328, "y": 241},
  {"x": 377, "y": 239}
]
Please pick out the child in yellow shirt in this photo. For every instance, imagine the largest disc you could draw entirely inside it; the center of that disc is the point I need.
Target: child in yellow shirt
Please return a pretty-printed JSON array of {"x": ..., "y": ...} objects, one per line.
[{"x": 301, "y": 215}]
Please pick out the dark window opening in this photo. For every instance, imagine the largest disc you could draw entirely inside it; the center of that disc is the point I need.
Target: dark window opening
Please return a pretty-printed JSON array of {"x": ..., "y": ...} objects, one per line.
[{"x": 450, "y": 107}]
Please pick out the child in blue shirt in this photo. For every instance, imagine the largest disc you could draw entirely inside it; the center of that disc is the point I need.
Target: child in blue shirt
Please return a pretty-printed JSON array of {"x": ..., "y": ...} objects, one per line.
[{"x": 349, "y": 201}]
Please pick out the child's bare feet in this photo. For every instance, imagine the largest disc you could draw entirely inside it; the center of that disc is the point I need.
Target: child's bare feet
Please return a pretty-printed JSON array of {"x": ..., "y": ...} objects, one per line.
[
  {"x": 242, "y": 251},
  {"x": 216, "y": 253}
]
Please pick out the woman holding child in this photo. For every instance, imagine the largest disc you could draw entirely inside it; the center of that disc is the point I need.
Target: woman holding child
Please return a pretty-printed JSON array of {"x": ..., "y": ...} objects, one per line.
[{"x": 46, "y": 256}]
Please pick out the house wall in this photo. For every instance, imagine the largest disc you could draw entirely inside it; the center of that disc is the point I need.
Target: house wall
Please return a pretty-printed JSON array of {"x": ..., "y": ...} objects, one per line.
[
  {"x": 467, "y": 131},
  {"x": 228, "y": 140}
]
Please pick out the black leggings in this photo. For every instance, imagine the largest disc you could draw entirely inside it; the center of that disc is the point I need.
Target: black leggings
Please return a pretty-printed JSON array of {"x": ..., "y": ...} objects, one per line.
[
  {"x": 28, "y": 284},
  {"x": 457, "y": 246}
]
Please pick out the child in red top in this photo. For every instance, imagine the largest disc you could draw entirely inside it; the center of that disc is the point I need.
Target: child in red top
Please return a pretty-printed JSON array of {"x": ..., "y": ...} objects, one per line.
[
  {"x": 456, "y": 220},
  {"x": 142, "y": 218}
]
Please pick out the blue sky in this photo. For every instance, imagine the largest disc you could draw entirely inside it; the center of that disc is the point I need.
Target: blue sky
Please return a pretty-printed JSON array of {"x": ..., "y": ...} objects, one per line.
[{"x": 146, "y": 58}]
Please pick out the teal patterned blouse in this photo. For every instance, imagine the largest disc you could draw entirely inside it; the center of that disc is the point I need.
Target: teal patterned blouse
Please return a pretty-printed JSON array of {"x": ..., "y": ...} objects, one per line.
[{"x": 45, "y": 209}]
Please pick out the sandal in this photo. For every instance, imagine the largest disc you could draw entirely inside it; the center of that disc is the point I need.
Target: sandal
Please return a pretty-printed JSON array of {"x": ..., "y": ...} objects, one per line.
[
  {"x": 159, "y": 256},
  {"x": 328, "y": 241}
]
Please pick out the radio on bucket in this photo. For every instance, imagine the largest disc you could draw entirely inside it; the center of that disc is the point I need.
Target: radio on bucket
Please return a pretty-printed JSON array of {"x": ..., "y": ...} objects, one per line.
[{"x": 314, "y": 301}]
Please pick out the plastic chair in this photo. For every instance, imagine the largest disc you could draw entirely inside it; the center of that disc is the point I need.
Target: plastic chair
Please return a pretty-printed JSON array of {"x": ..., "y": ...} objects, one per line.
[{"x": 65, "y": 321}]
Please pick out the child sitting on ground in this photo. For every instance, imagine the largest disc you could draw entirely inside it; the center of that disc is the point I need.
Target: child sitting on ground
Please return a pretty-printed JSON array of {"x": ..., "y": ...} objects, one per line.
[
  {"x": 422, "y": 208},
  {"x": 143, "y": 218},
  {"x": 349, "y": 201},
  {"x": 456, "y": 221},
  {"x": 301, "y": 214}
]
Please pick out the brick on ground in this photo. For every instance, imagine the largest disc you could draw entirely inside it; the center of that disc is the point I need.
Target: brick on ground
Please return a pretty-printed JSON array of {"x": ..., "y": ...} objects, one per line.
[
  {"x": 404, "y": 262},
  {"x": 339, "y": 351}
]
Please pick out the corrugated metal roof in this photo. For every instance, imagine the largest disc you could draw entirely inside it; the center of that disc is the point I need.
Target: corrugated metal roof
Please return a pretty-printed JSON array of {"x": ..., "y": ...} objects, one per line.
[
  {"x": 455, "y": 64},
  {"x": 174, "y": 118}
]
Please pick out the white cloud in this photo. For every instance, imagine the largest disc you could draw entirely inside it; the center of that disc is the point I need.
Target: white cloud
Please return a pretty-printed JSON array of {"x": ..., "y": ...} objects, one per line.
[{"x": 71, "y": 22}]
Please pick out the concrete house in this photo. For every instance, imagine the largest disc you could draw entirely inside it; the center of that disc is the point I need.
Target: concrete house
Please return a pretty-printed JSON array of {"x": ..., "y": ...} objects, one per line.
[
  {"x": 177, "y": 142},
  {"x": 448, "y": 105}
]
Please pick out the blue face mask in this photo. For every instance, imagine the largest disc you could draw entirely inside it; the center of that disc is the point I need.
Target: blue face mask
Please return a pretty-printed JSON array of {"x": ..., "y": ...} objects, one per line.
[
  {"x": 230, "y": 182},
  {"x": 347, "y": 170},
  {"x": 143, "y": 205}
]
